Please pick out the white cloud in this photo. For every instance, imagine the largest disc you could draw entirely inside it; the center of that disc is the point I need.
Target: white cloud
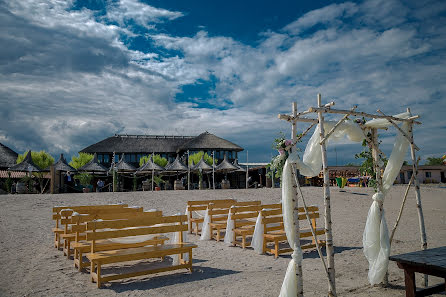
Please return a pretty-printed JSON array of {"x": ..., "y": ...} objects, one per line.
[
  {"x": 68, "y": 80},
  {"x": 144, "y": 15}
]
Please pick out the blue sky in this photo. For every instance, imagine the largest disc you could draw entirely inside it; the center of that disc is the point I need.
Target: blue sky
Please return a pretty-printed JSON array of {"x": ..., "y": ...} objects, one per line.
[{"x": 75, "y": 72}]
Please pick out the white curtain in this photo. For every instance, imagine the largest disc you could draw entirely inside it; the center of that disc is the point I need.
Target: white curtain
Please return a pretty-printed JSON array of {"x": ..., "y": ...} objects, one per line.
[
  {"x": 376, "y": 235},
  {"x": 257, "y": 237},
  {"x": 290, "y": 282},
  {"x": 229, "y": 234},
  {"x": 206, "y": 229}
]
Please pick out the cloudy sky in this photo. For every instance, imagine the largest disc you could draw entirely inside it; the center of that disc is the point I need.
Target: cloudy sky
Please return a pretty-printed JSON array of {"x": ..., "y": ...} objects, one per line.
[{"x": 75, "y": 72}]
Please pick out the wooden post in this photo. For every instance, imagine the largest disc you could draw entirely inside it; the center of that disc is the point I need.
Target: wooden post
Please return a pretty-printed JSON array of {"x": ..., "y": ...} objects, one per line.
[
  {"x": 53, "y": 177},
  {"x": 188, "y": 171},
  {"x": 299, "y": 275},
  {"x": 247, "y": 170},
  {"x": 328, "y": 228},
  {"x": 213, "y": 170},
  {"x": 418, "y": 196},
  {"x": 115, "y": 182}
]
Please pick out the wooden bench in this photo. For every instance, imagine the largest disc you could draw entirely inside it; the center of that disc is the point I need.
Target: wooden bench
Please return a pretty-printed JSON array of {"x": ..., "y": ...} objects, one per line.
[
  {"x": 199, "y": 206},
  {"x": 81, "y": 246},
  {"x": 218, "y": 216},
  {"x": 274, "y": 232},
  {"x": 69, "y": 235},
  {"x": 136, "y": 227},
  {"x": 59, "y": 229},
  {"x": 244, "y": 218}
]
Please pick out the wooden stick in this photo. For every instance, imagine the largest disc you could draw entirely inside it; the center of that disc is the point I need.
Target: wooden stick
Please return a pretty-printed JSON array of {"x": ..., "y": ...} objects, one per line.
[
  {"x": 299, "y": 275},
  {"x": 418, "y": 197},
  {"x": 337, "y": 125},
  {"x": 328, "y": 227},
  {"x": 358, "y": 113},
  {"x": 401, "y": 210},
  {"x": 291, "y": 119},
  {"x": 318, "y": 247},
  {"x": 401, "y": 131}
]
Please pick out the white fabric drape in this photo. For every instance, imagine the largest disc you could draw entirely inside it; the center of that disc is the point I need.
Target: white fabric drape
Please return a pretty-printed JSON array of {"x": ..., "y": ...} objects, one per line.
[
  {"x": 206, "y": 229},
  {"x": 257, "y": 237},
  {"x": 376, "y": 235},
  {"x": 290, "y": 282},
  {"x": 229, "y": 234},
  {"x": 199, "y": 213},
  {"x": 175, "y": 238}
]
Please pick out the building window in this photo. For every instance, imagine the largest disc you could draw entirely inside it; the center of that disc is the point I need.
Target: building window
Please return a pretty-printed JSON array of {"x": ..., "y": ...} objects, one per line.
[
  {"x": 409, "y": 174},
  {"x": 138, "y": 157},
  {"x": 133, "y": 158},
  {"x": 116, "y": 158},
  {"x": 127, "y": 158},
  {"x": 99, "y": 158},
  {"x": 106, "y": 159},
  {"x": 428, "y": 174}
]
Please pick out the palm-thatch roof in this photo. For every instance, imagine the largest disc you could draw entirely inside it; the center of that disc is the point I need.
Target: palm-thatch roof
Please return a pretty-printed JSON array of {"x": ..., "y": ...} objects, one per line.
[
  {"x": 208, "y": 141},
  {"x": 225, "y": 166},
  {"x": 93, "y": 166},
  {"x": 62, "y": 165},
  {"x": 8, "y": 157},
  {"x": 137, "y": 144},
  {"x": 176, "y": 166},
  {"x": 27, "y": 165},
  {"x": 123, "y": 166},
  {"x": 160, "y": 144},
  {"x": 150, "y": 166},
  {"x": 239, "y": 168},
  {"x": 202, "y": 165}
]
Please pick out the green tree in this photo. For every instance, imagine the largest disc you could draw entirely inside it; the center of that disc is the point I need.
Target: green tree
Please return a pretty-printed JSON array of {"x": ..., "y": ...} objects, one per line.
[
  {"x": 195, "y": 158},
  {"x": 42, "y": 160},
  {"x": 434, "y": 161},
  {"x": 80, "y": 160},
  {"x": 157, "y": 159},
  {"x": 367, "y": 164}
]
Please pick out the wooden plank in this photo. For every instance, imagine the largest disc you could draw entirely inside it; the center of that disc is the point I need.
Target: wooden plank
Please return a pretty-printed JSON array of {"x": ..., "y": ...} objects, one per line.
[
  {"x": 144, "y": 221},
  {"x": 206, "y": 202},
  {"x": 134, "y": 232},
  {"x": 80, "y": 208},
  {"x": 83, "y": 218}
]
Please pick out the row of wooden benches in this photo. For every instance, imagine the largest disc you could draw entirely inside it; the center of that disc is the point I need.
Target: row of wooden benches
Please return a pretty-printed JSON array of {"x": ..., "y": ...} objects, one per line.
[
  {"x": 244, "y": 216},
  {"x": 108, "y": 234}
]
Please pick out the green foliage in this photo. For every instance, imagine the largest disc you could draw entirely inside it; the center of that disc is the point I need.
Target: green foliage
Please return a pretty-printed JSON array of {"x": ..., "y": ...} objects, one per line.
[
  {"x": 8, "y": 183},
  {"x": 42, "y": 159},
  {"x": 157, "y": 159},
  {"x": 367, "y": 164},
  {"x": 28, "y": 180},
  {"x": 135, "y": 183},
  {"x": 434, "y": 161},
  {"x": 158, "y": 180},
  {"x": 197, "y": 157},
  {"x": 80, "y": 160},
  {"x": 84, "y": 178},
  {"x": 282, "y": 145}
]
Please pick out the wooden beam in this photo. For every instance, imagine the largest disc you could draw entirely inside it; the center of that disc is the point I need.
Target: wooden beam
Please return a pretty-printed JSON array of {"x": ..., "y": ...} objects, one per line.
[
  {"x": 357, "y": 113},
  {"x": 401, "y": 131},
  {"x": 337, "y": 125},
  {"x": 291, "y": 119}
]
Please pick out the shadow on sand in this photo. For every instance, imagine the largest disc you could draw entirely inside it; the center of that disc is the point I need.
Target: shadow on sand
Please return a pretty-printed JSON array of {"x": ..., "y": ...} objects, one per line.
[
  {"x": 167, "y": 279},
  {"x": 314, "y": 254}
]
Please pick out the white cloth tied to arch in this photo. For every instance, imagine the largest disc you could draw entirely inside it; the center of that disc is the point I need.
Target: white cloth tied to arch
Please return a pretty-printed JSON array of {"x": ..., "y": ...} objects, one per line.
[{"x": 375, "y": 238}]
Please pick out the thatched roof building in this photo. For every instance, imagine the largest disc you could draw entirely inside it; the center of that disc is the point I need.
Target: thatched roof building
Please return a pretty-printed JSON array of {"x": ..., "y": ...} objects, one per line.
[
  {"x": 62, "y": 165},
  {"x": 136, "y": 146},
  {"x": 93, "y": 166},
  {"x": 27, "y": 165},
  {"x": 8, "y": 157}
]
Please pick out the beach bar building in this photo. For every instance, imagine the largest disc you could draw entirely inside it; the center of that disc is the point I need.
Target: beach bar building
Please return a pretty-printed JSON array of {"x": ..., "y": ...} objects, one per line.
[{"x": 134, "y": 147}]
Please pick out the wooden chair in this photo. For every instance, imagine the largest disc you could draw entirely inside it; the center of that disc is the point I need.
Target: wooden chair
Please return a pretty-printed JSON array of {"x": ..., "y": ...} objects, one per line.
[
  {"x": 274, "y": 232},
  {"x": 244, "y": 218},
  {"x": 197, "y": 206},
  {"x": 81, "y": 246},
  {"x": 136, "y": 227},
  {"x": 58, "y": 229},
  {"x": 218, "y": 214}
]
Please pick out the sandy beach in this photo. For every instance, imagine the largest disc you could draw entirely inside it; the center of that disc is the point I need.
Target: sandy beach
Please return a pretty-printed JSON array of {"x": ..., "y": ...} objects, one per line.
[{"x": 31, "y": 266}]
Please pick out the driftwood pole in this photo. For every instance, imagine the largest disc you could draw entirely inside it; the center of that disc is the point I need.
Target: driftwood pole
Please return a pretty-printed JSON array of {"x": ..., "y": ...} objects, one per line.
[
  {"x": 418, "y": 195},
  {"x": 300, "y": 290},
  {"x": 328, "y": 228},
  {"x": 247, "y": 170},
  {"x": 114, "y": 173}
]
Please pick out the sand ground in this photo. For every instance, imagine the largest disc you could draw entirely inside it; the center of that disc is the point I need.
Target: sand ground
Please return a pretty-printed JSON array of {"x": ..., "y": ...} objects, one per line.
[{"x": 31, "y": 266}]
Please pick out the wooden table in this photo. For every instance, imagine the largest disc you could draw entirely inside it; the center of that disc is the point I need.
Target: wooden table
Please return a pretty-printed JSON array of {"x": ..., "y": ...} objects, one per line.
[{"x": 430, "y": 261}]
